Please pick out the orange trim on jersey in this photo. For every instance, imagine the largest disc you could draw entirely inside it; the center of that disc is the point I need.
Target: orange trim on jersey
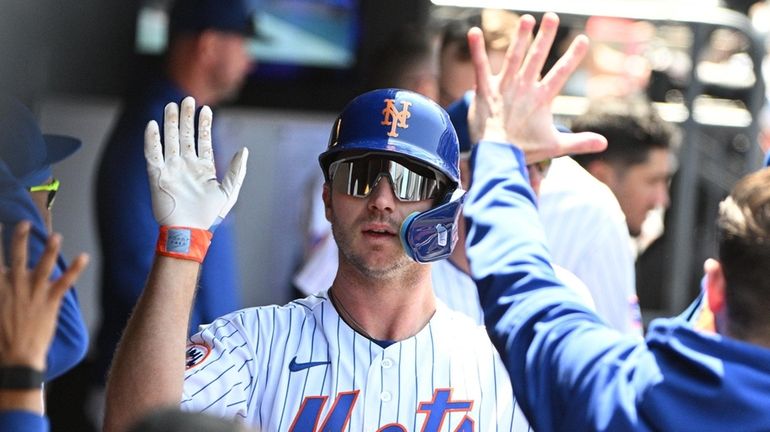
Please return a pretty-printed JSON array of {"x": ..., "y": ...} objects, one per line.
[
  {"x": 183, "y": 242},
  {"x": 350, "y": 411},
  {"x": 389, "y": 425},
  {"x": 188, "y": 353},
  {"x": 302, "y": 409},
  {"x": 449, "y": 399}
]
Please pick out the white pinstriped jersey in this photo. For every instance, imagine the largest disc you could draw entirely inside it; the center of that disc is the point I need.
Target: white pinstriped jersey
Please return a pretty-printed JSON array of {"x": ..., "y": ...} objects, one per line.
[
  {"x": 450, "y": 284},
  {"x": 300, "y": 367},
  {"x": 587, "y": 233}
]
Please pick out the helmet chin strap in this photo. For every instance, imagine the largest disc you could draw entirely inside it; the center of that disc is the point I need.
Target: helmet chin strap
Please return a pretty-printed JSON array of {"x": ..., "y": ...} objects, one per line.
[{"x": 431, "y": 235}]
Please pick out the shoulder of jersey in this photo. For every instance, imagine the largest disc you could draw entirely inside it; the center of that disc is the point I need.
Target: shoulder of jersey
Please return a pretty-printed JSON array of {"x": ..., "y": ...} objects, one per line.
[{"x": 454, "y": 321}]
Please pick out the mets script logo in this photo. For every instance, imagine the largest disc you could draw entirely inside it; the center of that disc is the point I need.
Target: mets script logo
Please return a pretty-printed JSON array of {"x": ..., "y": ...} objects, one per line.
[
  {"x": 434, "y": 414},
  {"x": 395, "y": 118}
]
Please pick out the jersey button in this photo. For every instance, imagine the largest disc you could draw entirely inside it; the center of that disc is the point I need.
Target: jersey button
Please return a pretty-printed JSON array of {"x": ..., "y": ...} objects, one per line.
[
  {"x": 387, "y": 363},
  {"x": 385, "y": 396}
]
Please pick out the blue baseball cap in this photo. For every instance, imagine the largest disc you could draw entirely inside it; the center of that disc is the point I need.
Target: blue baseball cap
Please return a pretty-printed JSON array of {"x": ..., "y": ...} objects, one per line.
[
  {"x": 26, "y": 151},
  {"x": 196, "y": 16}
]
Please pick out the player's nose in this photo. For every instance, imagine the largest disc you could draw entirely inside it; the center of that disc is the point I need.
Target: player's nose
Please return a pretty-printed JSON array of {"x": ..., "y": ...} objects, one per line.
[{"x": 382, "y": 196}]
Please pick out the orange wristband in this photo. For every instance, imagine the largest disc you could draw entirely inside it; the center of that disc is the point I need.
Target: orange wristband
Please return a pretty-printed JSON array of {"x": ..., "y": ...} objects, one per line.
[{"x": 183, "y": 242}]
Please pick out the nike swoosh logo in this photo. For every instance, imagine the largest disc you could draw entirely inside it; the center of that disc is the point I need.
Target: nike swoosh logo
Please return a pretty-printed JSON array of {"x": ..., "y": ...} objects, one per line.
[{"x": 296, "y": 367}]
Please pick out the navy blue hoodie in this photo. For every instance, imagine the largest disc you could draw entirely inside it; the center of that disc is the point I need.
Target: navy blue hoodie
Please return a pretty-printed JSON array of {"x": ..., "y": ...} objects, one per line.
[{"x": 71, "y": 339}]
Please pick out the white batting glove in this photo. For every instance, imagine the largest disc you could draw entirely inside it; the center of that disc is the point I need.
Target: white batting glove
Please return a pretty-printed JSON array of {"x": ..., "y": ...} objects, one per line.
[
  {"x": 187, "y": 200},
  {"x": 185, "y": 190}
]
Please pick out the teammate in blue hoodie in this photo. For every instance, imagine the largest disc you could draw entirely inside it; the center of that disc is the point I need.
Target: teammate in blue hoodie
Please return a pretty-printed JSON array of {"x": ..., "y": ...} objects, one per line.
[
  {"x": 570, "y": 371},
  {"x": 26, "y": 187},
  {"x": 25, "y": 341}
]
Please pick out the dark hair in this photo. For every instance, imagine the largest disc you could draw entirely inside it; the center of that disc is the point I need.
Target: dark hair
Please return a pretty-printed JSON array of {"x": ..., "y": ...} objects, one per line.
[
  {"x": 498, "y": 26},
  {"x": 408, "y": 51},
  {"x": 743, "y": 229},
  {"x": 632, "y": 127},
  {"x": 455, "y": 32}
]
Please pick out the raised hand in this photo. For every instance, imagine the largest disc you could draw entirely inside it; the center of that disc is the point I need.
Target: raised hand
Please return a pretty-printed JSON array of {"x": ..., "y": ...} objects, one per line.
[
  {"x": 185, "y": 189},
  {"x": 29, "y": 301},
  {"x": 515, "y": 104}
]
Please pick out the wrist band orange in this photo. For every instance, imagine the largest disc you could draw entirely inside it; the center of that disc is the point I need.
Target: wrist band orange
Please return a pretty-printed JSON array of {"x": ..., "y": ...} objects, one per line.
[{"x": 183, "y": 242}]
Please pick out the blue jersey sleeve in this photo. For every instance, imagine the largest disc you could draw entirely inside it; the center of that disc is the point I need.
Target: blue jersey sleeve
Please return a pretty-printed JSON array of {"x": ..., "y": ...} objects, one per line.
[
  {"x": 23, "y": 421},
  {"x": 550, "y": 342}
]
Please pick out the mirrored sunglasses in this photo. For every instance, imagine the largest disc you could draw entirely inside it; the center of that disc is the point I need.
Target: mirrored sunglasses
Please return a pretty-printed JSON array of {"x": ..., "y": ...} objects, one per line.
[
  {"x": 410, "y": 182},
  {"x": 51, "y": 188}
]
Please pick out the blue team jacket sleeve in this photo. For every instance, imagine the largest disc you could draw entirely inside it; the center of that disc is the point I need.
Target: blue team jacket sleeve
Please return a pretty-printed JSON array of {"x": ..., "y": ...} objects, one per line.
[
  {"x": 23, "y": 421},
  {"x": 561, "y": 358}
]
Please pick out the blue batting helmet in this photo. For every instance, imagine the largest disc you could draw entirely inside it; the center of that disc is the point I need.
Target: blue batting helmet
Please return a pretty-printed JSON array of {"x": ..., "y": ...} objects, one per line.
[
  {"x": 405, "y": 124},
  {"x": 398, "y": 122}
]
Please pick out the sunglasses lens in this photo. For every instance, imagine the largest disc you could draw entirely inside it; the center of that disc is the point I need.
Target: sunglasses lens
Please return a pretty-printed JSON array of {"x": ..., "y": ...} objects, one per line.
[
  {"x": 51, "y": 198},
  {"x": 51, "y": 188},
  {"x": 357, "y": 177}
]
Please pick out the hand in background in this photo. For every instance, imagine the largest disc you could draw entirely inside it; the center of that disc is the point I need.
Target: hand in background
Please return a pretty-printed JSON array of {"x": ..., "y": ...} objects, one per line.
[
  {"x": 29, "y": 301},
  {"x": 515, "y": 105}
]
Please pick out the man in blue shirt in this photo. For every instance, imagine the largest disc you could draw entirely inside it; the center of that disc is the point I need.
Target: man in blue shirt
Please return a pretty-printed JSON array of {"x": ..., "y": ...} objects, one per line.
[
  {"x": 42, "y": 333},
  {"x": 206, "y": 59},
  {"x": 27, "y": 188}
]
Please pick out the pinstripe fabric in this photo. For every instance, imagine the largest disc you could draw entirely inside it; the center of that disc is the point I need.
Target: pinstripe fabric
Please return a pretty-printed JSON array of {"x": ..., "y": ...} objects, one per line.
[
  {"x": 251, "y": 350},
  {"x": 587, "y": 234}
]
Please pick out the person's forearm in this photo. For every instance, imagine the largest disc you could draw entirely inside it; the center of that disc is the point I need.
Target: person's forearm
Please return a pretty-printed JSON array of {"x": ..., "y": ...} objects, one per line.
[{"x": 148, "y": 369}]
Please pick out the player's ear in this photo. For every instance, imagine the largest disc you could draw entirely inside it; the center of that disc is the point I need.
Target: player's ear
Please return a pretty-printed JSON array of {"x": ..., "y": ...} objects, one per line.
[
  {"x": 327, "y": 197},
  {"x": 715, "y": 285}
]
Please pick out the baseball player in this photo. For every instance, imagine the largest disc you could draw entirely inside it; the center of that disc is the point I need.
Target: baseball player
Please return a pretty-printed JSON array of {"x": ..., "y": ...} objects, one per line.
[{"x": 377, "y": 351}]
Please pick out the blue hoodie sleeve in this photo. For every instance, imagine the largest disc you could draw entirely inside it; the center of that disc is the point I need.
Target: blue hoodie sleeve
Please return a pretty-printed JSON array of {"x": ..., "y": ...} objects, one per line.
[
  {"x": 71, "y": 338},
  {"x": 567, "y": 368},
  {"x": 23, "y": 421}
]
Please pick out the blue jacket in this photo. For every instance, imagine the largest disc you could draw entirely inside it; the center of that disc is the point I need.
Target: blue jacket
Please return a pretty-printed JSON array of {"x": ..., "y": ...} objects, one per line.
[
  {"x": 70, "y": 341},
  {"x": 570, "y": 372},
  {"x": 128, "y": 230},
  {"x": 23, "y": 421}
]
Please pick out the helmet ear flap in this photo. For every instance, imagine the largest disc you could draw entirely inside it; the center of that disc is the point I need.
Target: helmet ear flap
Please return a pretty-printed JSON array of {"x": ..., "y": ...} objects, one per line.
[{"x": 431, "y": 235}]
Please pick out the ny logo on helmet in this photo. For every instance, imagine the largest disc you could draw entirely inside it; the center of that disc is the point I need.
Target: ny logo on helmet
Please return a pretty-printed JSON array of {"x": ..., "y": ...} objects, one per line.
[{"x": 391, "y": 113}]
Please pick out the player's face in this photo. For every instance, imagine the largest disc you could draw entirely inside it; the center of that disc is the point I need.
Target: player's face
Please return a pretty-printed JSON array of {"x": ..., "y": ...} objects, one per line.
[
  {"x": 367, "y": 229},
  {"x": 42, "y": 202},
  {"x": 642, "y": 187},
  {"x": 232, "y": 65}
]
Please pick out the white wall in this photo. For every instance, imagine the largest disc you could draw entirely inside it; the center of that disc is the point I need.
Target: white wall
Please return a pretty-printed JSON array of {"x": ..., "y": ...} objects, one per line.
[{"x": 283, "y": 147}]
